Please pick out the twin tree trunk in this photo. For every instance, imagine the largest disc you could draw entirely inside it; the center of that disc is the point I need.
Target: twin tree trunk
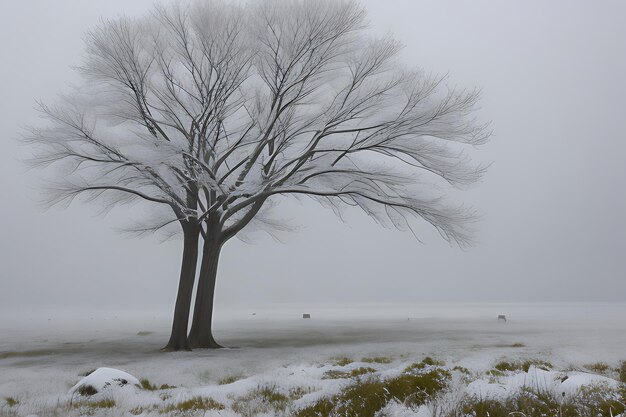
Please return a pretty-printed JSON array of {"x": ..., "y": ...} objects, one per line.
[
  {"x": 200, "y": 335},
  {"x": 178, "y": 338}
]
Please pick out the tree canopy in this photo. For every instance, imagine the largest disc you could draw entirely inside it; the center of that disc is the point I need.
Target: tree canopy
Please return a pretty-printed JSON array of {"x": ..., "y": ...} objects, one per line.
[{"x": 213, "y": 108}]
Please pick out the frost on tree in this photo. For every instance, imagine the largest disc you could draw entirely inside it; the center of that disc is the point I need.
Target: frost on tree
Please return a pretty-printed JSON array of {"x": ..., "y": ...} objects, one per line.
[{"x": 207, "y": 112}]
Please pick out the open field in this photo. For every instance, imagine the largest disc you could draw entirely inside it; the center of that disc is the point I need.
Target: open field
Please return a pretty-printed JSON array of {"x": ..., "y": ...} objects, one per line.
[{"x": 302, "y": 360}]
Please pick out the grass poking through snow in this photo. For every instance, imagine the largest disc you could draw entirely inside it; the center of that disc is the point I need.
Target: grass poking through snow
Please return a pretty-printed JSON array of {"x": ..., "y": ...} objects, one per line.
[
  {"x": 343, "y": 361},
  {"x": 598, "y": 367},
  {"x": 377, "y": 359},
  {"x": 147, "y": 385},
  {"x": 591, "y": 401},
  {"x": 622, "y": 372},
  {"x": 365, "y": 397},
  {"x": 262, "y": 400},
  {"x": 337, "y": 374},
  {"x": 229, "y": 379},
  {"x": 106, "y": 403},
  {"x": 194, "y": 404},
  {"x": 11, "y": 402},
  {"x": 514, "y": 366}
]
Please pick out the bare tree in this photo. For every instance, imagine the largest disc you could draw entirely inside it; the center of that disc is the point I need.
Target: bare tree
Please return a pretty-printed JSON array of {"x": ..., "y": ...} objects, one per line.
[{"x": 214, "y": 110}]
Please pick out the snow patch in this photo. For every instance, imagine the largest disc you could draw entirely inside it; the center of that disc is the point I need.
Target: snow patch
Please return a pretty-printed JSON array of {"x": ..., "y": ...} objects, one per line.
[
  {"x": 484, "y": 389},
  {"x": 537, "y": 379},
  {"x": 575, "y": 381},
  {"x": 105, "y": 379}
]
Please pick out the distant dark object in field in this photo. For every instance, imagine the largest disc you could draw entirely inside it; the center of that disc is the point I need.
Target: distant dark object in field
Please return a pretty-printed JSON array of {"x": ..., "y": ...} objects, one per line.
[
  {"x": 501, "y": 317},
  {"x": 306, "y": 316},
  {"x": 143, "y": 333},
  {"x": 254, "y": 314}
]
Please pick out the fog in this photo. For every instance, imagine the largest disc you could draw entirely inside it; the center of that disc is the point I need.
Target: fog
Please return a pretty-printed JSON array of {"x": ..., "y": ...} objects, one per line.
[{"x": 552, "y": 204}]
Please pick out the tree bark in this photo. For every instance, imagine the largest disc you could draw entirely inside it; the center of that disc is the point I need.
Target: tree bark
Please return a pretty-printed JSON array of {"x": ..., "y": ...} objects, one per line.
[
  {"x": 178, "y": 337},
  {"x": 201, "y": 335}
]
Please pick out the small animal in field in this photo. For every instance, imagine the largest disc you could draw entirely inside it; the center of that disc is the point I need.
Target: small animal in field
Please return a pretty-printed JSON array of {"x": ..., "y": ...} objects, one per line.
[{"x": 502, "y": 317}]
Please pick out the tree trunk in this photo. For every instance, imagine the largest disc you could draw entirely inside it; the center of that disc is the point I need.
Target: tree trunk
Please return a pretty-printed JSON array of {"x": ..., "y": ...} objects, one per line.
[
  {"x": 178, "y": 338},
  {"x": 201, "y": 335}
]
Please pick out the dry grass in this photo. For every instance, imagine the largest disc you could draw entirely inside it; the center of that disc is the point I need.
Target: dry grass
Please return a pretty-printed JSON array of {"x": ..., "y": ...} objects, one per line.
[
  {"x": 11, "y": 402},
  {"x": 365, "y": 397},
  {"x": 337, "y": 374},
  {"x": 377, "y": 359},
  {"x": 106, "y": 403},
  {"x": 87, "y": 390},
  {"x": 342, "y": 361},
  {"x": 506, "y": 366},
  {"x": 194, "y": 404},
  {"x": 147, "y": 385},
  {"x": 598, "y": 367},
  {"x": 622, "y": 372},
  {"x": 230, "y": 379},
  {"x": 262, "y": 400},
  {"x": 593, "y": 401},
  {"x": 299, "y": 392}
]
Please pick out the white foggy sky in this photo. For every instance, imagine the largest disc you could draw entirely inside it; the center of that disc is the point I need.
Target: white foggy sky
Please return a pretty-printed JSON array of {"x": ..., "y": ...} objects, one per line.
[{"x": 552, "y": 204}]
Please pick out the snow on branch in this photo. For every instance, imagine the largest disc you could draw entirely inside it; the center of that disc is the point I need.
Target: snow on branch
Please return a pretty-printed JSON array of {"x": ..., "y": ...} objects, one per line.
[{"x": 213, "y": 108}]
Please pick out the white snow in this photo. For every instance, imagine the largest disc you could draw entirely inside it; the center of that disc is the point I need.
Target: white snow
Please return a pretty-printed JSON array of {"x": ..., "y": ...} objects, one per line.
[
  {"x": 556, "y": 382},
  {"x": 40, "y": 359},
  {"x": 106, "y": 379},
  {"x": 484, "y": 389},
  {"x": 577, "y": 380}
]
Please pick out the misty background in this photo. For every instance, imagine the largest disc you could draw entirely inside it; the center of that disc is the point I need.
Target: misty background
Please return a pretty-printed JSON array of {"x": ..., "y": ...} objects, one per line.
[{"x": 553, "y": 204}]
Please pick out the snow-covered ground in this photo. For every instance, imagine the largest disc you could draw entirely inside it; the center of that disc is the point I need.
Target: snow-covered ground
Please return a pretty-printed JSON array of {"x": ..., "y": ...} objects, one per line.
[{"x": 43, "y": 356}]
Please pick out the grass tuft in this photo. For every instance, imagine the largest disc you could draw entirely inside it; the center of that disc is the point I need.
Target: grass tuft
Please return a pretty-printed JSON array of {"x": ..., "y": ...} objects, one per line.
[
  {"x": 598, "y": 367},
  {"x": 343, "y": 361},
  {"x": 362, "y": 399},
  {"x": 87, "y": 390},
  {"x": 193, "y": 404},
  {"x": 11, "y": 402},
  {"x": 136, "y": 411},
  {"x": 106, "y": 403},
  {"x": 426, "y": 362},
  {"x": 299, "y": 392},
  {"x": 367, "y": 396},
  {"x": 229, "y": 379},
  {"x": 506, "y": 366},
  {"x": 321, "y": 408},
  {"x": 462, "y": 370},
  {"x": 377, "y": 359},
  {"x": 622, "y": 372},
  {"x": 432, "y": 362},
  {"x": 510, "y": 345},
  {"x": 417, "y": 384},
  {"x": 262, "y": 400},
  {"x": 337, "y": 374},
  {"x": 147, "y": 385},
  {"x": 596, "y": 401}
]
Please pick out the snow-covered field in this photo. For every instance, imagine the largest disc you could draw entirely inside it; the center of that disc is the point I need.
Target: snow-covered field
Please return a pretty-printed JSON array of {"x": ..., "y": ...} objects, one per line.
[{"x": 43, "y": 356}]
